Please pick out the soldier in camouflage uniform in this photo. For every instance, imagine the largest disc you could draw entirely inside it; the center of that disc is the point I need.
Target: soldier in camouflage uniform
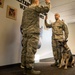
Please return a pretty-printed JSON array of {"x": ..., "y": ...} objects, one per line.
[
  {"x": 30, "y": 31},
  {"x": 57, "y": 35}
]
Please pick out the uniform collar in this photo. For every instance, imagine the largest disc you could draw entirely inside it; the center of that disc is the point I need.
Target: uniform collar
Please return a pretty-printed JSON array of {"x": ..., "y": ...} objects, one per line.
[{"x": 58, "y": 20}]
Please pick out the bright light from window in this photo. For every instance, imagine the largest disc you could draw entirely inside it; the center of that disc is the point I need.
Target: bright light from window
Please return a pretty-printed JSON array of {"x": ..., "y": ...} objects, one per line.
[{"x": 37, "y": 58}]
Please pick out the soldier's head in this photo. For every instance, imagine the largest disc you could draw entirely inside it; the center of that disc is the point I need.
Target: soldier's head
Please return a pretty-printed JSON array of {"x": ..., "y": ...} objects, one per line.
[
  {"x": 57, "y": 16},
  {"x": 34, "y": 2}
]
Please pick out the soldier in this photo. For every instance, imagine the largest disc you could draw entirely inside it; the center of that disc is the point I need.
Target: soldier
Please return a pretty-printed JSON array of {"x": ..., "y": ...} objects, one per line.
[
  {"x": 30, "y": 31},
  {"x": 57, "y": 35}
]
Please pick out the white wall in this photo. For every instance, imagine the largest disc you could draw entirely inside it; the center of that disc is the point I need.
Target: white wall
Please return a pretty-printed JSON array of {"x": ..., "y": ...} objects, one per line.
[
  {"x": 71, "y": 42},
  {"x": 10, "y": 47}
]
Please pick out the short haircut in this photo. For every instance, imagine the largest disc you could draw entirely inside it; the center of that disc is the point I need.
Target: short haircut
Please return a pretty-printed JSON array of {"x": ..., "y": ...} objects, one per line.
[{"x": 57, "y": 14}]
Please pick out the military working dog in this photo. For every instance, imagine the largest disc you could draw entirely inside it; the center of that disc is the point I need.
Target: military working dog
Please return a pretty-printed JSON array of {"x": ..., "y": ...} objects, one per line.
[{"x": 66, "y": 56}]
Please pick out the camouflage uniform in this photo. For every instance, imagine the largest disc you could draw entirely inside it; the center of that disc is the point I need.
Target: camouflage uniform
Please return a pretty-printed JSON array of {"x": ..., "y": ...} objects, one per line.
[
  {"x": 30, "y": 31},
  {"x": 57, "y": 35}
]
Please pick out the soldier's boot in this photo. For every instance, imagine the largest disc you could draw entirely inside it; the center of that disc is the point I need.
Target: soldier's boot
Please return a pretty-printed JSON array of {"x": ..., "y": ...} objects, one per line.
[{"x": 33, "y": 72}]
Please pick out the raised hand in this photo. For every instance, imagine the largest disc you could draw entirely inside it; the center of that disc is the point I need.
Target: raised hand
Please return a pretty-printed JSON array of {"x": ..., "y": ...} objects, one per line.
[{"x": 47, "y": 1}]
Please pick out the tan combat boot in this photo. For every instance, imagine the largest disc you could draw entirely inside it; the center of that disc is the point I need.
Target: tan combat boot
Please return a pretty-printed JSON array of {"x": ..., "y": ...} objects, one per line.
[{"x": 32, "y": 72}]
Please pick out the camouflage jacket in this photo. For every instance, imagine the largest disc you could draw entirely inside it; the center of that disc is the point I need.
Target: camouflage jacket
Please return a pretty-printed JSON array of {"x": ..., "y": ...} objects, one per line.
[
  {"x": 30, "y": 20},
  {"x": 57, "y": 29}
]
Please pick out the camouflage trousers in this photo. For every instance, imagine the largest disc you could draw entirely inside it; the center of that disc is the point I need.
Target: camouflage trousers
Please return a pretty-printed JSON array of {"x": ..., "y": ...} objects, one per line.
[
  {"x": 29, "y": 48},
  {"x": 56, "y": 49}
]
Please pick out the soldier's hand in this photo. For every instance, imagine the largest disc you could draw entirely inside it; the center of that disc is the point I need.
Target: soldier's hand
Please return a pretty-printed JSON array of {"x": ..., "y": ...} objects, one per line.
[{"x": 47, "y": 1}]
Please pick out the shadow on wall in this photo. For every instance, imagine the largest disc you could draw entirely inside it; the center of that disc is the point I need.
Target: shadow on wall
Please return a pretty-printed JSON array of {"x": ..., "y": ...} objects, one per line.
[
  {"x": 10, "y": 35},
  {"x": 7, "y": 44}
]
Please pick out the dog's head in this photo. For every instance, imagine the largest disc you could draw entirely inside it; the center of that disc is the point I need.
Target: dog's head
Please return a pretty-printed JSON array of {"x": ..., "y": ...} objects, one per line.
[{"x": 62, "y": 43}]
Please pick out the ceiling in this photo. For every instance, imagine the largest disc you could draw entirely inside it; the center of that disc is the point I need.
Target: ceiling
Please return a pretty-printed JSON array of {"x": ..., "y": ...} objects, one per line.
[{"x": 66, "y": 9}]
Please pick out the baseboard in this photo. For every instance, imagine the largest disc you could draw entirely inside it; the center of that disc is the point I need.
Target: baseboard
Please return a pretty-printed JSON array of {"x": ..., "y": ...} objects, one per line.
[
  {"x": 11, "y": 65},
  {"x": 47, "y": 59}
]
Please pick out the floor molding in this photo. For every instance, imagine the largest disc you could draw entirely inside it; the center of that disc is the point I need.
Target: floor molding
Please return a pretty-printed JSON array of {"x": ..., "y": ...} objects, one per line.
[
  {"x": 50, "y": 59},
  {"x": 11, "y": 65}
]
